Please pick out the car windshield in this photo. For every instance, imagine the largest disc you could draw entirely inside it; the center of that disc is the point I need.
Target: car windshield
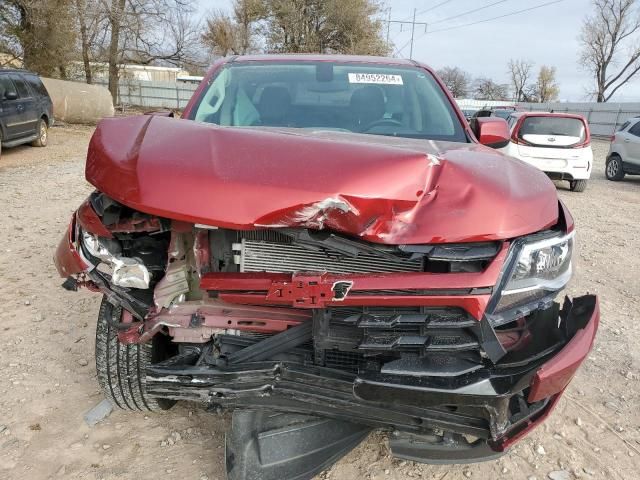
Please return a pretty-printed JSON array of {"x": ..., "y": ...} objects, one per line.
[
  {"x": 502, "y": 113},
  {"x": 623, "y": 126},
  {"x": 537, "y": 129},
  {"x": 364, "y": 98}
]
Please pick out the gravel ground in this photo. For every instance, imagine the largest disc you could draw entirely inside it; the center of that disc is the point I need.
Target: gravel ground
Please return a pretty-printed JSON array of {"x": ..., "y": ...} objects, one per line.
[{"x": 47, "y": 378}]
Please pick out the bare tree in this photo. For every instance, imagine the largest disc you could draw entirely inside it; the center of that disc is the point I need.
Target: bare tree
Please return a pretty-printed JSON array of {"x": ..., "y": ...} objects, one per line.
[
  {"x": 457, "y": 81},
  {"x": 93, "y": 32},
  {"x": 608, "y": 51},
  {"x": 146, "y": 32},
  {"x": 81, "y": 7},
  {"x": 115, "y": 17},
  {"x": 486, "y": 89},
  {"x": 546, "y": 88},
  {"x": 225, "y": 34},
  {"x": 520, "y": 73},
  {"x": 221, "y": 34}
]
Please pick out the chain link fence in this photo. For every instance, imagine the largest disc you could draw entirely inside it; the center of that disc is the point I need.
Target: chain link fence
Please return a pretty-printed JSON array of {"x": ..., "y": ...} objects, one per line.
[{"x": 172, "y": 95}]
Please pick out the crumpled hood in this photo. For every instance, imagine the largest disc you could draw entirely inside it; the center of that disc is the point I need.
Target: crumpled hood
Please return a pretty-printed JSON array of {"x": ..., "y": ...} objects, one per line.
[{"x": 382, "y": 189}]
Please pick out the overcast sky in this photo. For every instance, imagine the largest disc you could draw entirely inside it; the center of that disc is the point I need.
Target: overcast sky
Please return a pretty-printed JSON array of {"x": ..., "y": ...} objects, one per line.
[{"x": 547, "y": 35}]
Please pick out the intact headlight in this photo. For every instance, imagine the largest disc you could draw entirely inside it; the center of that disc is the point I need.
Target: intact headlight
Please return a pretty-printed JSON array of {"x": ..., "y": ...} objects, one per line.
[{"x": 539, "y": 268}]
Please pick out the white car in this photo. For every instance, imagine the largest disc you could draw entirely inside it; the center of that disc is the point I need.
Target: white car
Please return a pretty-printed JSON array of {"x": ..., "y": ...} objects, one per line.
[
  {"x": 559, "y": 144},
  {"x": 624, "y": 152}
]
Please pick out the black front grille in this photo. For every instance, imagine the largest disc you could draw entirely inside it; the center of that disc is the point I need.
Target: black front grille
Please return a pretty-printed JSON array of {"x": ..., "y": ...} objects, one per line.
[
  {"x": 264, "y": 235},
  {"x": 346, "y": 361},
  {"x": 380, "y": 336}
]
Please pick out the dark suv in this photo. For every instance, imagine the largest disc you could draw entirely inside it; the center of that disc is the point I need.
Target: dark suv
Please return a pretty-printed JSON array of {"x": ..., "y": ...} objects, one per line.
[{"x": 26, "y": 110}]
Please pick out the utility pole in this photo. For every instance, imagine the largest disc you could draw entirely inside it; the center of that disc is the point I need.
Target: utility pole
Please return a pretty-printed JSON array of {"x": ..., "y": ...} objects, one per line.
[
  {"x": 413, "y": 24},
  {"x": 388, "y": 25},
  {"x": 413, "y": 28}
]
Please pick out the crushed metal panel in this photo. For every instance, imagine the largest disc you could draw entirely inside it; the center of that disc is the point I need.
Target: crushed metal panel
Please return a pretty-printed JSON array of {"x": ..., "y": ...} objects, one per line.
[{"x": 174, "y": 283}]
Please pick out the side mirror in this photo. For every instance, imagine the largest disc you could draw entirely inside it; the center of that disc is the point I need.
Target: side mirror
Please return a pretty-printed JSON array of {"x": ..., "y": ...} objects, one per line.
[
  {"x": 10, "y": 95},
  {"x": 491, "y": 131}
]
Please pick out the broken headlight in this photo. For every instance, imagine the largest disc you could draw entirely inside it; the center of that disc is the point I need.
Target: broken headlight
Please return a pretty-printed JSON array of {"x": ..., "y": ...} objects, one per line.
[
  {"x": 103, "y": 248},
  {"x": 127, "y": 272},
  {"x": 537, "y": 269}
]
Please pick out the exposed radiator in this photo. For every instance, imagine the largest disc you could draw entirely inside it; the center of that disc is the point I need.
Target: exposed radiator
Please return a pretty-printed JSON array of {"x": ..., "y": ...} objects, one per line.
[{"x": 261, "y": 256}]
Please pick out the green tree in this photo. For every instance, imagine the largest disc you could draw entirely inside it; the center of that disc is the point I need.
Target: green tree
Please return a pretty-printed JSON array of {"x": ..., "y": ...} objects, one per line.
[
  {"x": 330, "y": 26},
  {"x": 547, "y": 89},
  {"x": 298, "y": 26},
  {"x": 40, "y": 33}
]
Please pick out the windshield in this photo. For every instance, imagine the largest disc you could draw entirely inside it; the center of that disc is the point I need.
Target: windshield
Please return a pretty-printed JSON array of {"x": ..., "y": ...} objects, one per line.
[
  {"x": 502, "y": 113},
  {"x": 556, "y": 131},
  {"x": 363, "y": 98}
]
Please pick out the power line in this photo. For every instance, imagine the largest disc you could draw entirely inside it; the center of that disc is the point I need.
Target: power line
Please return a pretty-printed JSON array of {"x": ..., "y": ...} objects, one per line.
[
  {"x": 434, "y": 7},
  {"x": 413, "y": 24},
  {"x": 399, "y": 50},
  {"x": 406, "y": 44},
  {"x": 468, "y": 12},
  {"x": 408, "y": 19},
  {"x": 496, "y": 18},
  {"x": 412, "y": 21}
]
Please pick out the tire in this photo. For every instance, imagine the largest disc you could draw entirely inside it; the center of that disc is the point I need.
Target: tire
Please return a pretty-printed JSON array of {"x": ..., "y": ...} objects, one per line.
[
  {"x": 121, "y": 368},
  {"x": 614, "y": 169},
  {"x": 577, "y": 185},
  {"x": 43, "y": 134}
]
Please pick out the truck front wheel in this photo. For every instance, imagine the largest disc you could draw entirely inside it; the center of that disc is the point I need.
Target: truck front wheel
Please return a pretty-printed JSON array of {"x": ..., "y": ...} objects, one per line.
[{"x": 121, "y": 368}]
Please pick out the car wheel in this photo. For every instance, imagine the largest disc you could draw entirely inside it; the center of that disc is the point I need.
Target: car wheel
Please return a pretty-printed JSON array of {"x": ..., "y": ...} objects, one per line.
[
  {"x": 43, "y": 134},
  {"x": 577, "y": 185},
  {"x": 614, "y": 170},
  {"x": 121, "y": 368}
]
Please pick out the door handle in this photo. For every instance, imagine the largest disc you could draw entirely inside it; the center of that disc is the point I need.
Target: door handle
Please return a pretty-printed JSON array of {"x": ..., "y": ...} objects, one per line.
[{"x": 626, "y": 140}]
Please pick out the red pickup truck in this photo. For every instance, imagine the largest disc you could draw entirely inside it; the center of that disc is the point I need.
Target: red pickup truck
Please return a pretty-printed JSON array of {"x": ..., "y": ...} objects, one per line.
[{"x": 324, "y": 245}]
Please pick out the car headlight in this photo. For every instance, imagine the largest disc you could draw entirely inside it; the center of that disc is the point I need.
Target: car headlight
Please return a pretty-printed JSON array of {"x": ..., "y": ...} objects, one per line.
[
  {"x": 103, "y": 248},
  {"x": 536, "y": 269},
  {"x": 127, "y": 272}
]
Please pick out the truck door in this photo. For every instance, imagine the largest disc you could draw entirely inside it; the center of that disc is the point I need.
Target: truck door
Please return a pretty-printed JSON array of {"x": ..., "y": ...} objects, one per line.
[
  {"x": 9, "y": 115},
  {"x": 27, "y": 108}
]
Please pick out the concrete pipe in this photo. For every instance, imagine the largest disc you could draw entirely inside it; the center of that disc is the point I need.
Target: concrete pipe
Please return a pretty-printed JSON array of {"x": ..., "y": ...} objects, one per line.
[{"x": 75, "y": 102}]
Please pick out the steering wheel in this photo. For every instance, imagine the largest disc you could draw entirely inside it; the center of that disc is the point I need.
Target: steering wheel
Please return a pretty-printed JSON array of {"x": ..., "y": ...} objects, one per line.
[{"x": 392, "y": 122}]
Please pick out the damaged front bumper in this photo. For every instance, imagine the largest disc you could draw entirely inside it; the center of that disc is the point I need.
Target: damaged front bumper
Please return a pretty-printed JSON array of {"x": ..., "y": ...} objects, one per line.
[
  {"x": 414, "y": 350},
  {"x": 478, "y": 420}
]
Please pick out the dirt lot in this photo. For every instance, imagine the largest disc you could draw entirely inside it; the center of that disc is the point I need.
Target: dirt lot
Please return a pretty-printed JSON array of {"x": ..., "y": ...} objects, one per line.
[{"x": 47, "y": 377}]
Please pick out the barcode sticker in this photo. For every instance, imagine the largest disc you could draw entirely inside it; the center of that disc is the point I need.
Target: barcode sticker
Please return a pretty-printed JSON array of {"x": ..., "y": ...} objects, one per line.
[{"x": 376, "y": 78}]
